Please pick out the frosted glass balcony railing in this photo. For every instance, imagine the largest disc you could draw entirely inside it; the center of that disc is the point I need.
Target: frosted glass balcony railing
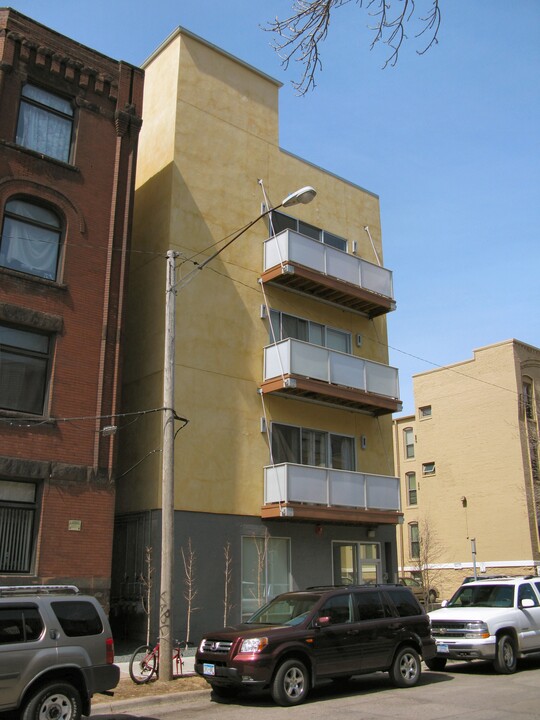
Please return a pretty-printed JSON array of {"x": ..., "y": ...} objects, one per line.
[
  {"x": 289, "y": 483},
  {"x": 290, "y": 246},
  {"x": 295, "y": 357}
]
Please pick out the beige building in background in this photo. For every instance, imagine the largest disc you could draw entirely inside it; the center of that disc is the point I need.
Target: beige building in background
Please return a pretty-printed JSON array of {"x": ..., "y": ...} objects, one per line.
[
  {"x": 284, "y": 473},
  {"x": 468, "y": 463}
]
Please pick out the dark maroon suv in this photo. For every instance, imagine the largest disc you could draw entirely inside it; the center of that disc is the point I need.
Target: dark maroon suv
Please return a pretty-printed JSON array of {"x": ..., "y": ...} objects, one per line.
[{"x": 331, "y": 632}]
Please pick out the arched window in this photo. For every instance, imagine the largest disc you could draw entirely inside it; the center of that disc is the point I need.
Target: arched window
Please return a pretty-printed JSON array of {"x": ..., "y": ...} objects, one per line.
[
  {"x": 408, "y": 441},
  {"x": 31, "y": 237},
  {"x": 414, "y": 540},
  {"x": 412, "y": 493}
]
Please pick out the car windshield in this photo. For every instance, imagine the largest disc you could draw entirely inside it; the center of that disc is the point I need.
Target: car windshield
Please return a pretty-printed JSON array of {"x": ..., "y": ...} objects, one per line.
[
  {"x": 285, "y": 610},
  {"x": 491, "y": 595}
]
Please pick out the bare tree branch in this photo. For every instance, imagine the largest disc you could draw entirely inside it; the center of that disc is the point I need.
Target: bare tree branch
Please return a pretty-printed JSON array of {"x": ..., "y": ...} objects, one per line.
[{"x": 301, "y": 34}]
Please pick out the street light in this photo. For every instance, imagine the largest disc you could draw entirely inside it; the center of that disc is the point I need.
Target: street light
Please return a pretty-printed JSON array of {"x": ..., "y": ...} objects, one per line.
[{"x": 302, "y": 196}]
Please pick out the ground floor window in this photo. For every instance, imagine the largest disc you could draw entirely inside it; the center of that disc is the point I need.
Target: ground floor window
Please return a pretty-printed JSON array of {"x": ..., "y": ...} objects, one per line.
[
  {"x": 17, "y": 525},
  {"x": 356, "y": 562},
  {"x": 266, "y": 571}
]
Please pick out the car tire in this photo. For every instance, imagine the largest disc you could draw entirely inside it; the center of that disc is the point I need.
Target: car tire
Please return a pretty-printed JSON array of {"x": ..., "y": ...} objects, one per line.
[
  {"x": 505, "y": 662},
  {"x": 436, "y": 664},
  {"x": 225, "y": 691},
  {"x": 56, "y": 700},
  {"x": 406, "y": 668},
  {"x": 290, "y": 685}
]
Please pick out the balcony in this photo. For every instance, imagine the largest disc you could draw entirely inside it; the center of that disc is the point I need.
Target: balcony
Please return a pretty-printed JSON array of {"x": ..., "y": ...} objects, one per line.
[
  {"x": 297, "y": 262},
  {"x": 314, "y": 373},
  {"x": 303, "y": 492}
]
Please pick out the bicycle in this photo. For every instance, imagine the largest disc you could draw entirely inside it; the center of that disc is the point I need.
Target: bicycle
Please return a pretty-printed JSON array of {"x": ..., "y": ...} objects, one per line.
[{"x": 144, "y": 663}]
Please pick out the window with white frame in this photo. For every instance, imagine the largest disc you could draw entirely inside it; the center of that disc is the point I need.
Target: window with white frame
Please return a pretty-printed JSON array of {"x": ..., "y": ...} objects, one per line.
[
  {"x": 18, "y": 504},
  {"x": 428, "y": 468},
  {"x": 279, "y": 222},
  {"x": 305, "y": 446},
  {"x": 408, "y": 442},
  {"x": 289, "y": 326},
  {"x": 45, "y": 123},
  {"x": 412, "y": 490},
  {"x": 266, "y": 571},
  {"x": 414, "y": 540},
  {"x": 31, "y": 237},
  {"x": 24, "y": 369}
]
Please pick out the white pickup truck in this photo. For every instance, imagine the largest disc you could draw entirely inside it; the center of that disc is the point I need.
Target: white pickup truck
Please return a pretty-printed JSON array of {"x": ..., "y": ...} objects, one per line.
[{"x": 496, "y": 620}]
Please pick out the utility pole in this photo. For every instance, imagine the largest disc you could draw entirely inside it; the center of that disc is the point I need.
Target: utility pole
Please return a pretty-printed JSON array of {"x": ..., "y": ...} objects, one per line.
[{"x": 167, "y": 478}]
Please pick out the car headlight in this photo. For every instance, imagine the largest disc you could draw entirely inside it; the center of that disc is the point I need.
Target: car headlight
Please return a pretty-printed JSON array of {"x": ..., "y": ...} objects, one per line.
[
  {"x": 253, "y": 645},
  {"x": 476, "y": 629}
]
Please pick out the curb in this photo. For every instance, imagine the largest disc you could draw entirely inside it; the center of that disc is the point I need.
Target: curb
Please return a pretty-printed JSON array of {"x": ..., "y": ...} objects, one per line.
[{"x": 114, "y": 706}]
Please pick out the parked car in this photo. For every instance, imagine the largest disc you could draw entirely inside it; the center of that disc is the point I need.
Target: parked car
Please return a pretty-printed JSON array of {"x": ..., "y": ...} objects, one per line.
[
  {"x": 496, "y": 620},
  {"x": 56, "y": 651},
  {"x": 324, "y": 632},
  {"x": 417, "y": 589}
]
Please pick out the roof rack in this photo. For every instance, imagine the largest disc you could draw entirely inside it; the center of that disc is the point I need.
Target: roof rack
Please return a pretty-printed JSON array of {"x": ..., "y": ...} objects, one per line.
[{"x": 12, "y": 590}]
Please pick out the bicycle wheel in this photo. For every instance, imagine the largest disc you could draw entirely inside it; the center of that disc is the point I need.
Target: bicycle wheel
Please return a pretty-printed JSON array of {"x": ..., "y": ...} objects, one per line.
[{"x": 143, "y": 663}]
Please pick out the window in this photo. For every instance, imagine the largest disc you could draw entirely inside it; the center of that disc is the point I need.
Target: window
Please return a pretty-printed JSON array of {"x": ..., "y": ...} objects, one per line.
[
  {"x": 30, "y": 239},
  {"x": 288, "y": 326},
  {"x": 527, "y": 593},
  {"x": 528, "y": 405},
  {"x": 78, "y": 618},
  {"x": 408, "y": 441},
  {"x": 405, "y": 603},
  {"x": 425, "y": 412},
  {"x": 412, "y": 494},
  {"x": 356, "y": 563},
  {"x": 17, "y": 520},
  {"x": 280, "y": 222},
  {"x": 19, "y": 624},
  {"x": 369, "y": 606},
  {"x": 304, "y": 446},
  {"x": 428, "y": 468},
  {"x": 265, "y": 571},
  {"x": 414, "y": 540},
  {"x": 338, "y": 609},
  {"x": 45, "y": 123},
  {"x": 24, "y": 370}
]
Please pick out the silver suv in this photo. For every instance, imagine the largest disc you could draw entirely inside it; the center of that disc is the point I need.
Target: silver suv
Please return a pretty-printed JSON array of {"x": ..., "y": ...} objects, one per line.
[
  {"x": 496, "y": 620},
  {"x": 56, "y": 651}
]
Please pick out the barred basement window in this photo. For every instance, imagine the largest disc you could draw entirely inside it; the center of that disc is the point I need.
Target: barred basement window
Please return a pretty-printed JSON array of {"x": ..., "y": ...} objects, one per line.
[{"x": 17, "y": 519}]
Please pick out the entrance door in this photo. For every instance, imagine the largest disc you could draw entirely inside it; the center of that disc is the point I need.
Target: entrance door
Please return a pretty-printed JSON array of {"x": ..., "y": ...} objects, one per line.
[{"x": 356, "y": 563}]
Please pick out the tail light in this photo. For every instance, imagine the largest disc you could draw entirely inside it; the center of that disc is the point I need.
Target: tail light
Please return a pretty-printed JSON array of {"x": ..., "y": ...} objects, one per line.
[{"x": 109, "y": 651}]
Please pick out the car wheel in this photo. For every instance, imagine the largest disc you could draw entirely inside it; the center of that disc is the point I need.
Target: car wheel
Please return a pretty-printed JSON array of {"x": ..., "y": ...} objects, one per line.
[
  {"x": 436, "y": 664},
  {"x": 290, "y": 685},
  {"x": 57, "y": 701},
  {"x": 405, "y": 670},
  {"x": 225, "y": 691},
  {"x": 505, "y": 661}
]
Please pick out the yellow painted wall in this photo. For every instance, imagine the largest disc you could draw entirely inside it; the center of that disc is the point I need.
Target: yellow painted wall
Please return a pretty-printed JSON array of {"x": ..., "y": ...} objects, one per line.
[{"x": 221, "y": 116}]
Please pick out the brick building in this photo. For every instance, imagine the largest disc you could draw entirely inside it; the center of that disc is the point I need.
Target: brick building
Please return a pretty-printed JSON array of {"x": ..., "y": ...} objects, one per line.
[{"x": 69, "y": 130}]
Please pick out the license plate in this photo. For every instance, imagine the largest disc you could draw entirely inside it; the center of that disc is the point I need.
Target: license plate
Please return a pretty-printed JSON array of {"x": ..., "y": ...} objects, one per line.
[
  {"x": 442, "y": 648},
  {"x": 209, "y": 669}
]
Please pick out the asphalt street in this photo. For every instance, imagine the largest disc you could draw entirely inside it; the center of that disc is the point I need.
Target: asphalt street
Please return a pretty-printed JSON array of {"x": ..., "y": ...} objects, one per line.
[{"x": 472, "y": 691}]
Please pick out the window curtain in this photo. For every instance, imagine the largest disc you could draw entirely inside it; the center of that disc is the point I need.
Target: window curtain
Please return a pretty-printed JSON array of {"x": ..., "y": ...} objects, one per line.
[
  {"x": 22, "y": 382},
  {"x": 42, "y": 130},
  {"x": 29, "y": 248},
  {"x": 285, "y": 444}
]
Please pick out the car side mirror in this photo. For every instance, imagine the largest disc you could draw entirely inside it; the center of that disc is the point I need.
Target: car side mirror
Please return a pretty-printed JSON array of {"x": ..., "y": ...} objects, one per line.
[
  {"x": 444, "y": 603},
  {"x": 323, "y": 621},
  {"x": 526, "y": 603}
]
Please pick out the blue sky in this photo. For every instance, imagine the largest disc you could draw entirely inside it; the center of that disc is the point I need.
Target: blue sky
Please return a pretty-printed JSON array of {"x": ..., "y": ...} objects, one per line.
[{"x": 450, "y": 141}]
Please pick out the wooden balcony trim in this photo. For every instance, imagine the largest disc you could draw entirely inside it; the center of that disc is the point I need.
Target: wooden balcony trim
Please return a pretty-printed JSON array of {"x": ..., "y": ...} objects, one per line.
[
  {"x": 318, "y": 513},
  {"x": 306, "y": 388},
  {"x": 293, "y": 276}
]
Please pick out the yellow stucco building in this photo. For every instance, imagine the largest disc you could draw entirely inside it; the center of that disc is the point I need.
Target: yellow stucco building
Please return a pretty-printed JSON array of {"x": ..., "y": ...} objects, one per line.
[
  {"x": 468, "y": 463},
  {"x": 284, "y": 471}
]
